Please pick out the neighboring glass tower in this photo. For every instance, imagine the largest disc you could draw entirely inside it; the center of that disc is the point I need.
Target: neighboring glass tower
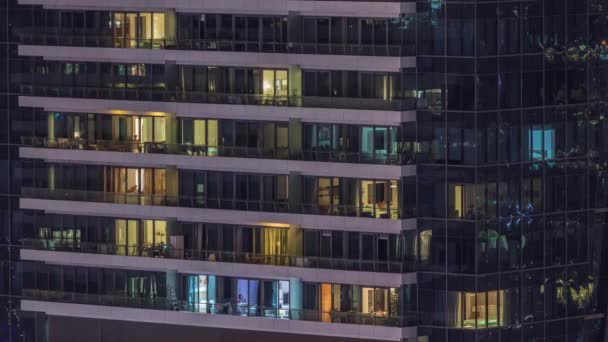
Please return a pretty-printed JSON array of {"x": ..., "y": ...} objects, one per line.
[
  {"x": 389, "y": 170},
  {"x": 513, "y": 181}
]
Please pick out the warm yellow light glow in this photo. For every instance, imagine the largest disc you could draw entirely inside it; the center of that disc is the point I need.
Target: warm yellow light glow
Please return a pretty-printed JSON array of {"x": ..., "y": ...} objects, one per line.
[
  {"x": 480, "y": 310},
  {"x": 458, "y": 200},
  {"x": 273, "y": 224},
  {"x": 130, "y": 112}
]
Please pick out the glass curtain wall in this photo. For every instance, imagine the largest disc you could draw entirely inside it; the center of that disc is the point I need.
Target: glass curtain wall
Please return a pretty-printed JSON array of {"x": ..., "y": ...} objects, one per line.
[{"x": 507, "y": 122}]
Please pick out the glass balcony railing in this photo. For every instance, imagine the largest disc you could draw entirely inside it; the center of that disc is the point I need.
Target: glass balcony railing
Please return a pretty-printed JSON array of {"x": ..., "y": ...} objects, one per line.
[
  {"x": 166, "y": 251},
  {"x": 212, "y": 203},
  {"x": 220, "y": 151},
  {"x": 69, "y": 39},
  {"x": 163, "y": 95},
  {"x": 223, "y": 308}
]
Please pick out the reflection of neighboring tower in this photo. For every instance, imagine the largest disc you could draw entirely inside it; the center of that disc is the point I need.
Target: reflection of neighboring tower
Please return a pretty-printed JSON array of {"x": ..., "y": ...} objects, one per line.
[{"x": 603, "y": 273}]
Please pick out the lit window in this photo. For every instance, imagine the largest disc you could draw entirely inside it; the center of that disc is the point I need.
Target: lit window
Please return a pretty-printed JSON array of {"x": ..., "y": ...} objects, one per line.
[
  {"x": 479, "y": 310},
  {"x": 460, "y": 200},
  {"x": 541, "y": 143}
]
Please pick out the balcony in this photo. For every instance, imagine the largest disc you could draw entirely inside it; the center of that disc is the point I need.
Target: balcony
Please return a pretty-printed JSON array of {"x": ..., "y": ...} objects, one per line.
[
  {"x": 404, "y": 158},
  {"x": 163, "y": 95},
  {"x": 225, "y": 308},
  {"x": 68, "y": 39},
  {"x": 283, "y": 207},
  {"x": 168, "y": 252}
]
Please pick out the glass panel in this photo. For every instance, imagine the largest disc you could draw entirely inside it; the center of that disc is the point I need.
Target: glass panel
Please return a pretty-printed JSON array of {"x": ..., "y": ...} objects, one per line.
[
  {"x": 158, "y": 26},
  {"x": 159, "y": 129},
  {"x": 325, "y": 245},
  {"x": 242, "y": 296},
  {"x": 148, "y": 232},
  {"x": 159, "y": 181},
  {"x": 281, "y": 83},
  {"x": 130, "y": 29},
  {"x": 160, "y": 232},
  {"x": 283, "y": 299},
  {"x": 381, "y": 302},
  {"x": 367, "y": 197},
  {"x": 381, "y": 198},
  {"x": 253, "y": 296},
  {"x": 211, "y": 280},
  {"x": 455, "y": 309},
  {"x": 470, "y": 310},
  {"x": 212, "y": 137},
  {"x": 325, "y": 302},
  {"x": 492, "y": 309},
  {"x": 394, "y": 199},
  {"x": 367, "y": 300},
  {"x": 200, "y": 132},
  {"x": 132, "y": 237},
  {"x": 481, "y": 311},
  {"x": 282, "y": 137},
  {"x": 132, "y": 181},
  {"x": 324, "y": 194},
  {"x": 118, "y": 28},
  {"x": 367, "y": 142},
  {"x": 268, "y": 83},
  {"x": 381, "y": 142},
  {"x": 336, "y": 297},
  {"x": 144, "y": 29},
  {"x": 198, "y": 292},
  {"x": 456, "y": 196},
  {"x": 146, "y": 134},
  {"x": 121, "y": 236}
]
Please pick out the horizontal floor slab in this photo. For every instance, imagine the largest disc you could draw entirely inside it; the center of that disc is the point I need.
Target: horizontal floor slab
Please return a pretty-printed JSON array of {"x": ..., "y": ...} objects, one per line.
[
  {"x": 219, "y": 321},
  {"x": 253, "y": 165},
  {"x": 325, "y": 222},
  {"x": 317, "y": 275},
  {"x": 277, "y": 7},
  {"x": 219, "y": 58},
  {"x": 222, "y": 111}
]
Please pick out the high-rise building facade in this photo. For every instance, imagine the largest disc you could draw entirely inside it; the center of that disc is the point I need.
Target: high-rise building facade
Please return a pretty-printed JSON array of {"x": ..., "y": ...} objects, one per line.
[{"x": 431, "y": 170}]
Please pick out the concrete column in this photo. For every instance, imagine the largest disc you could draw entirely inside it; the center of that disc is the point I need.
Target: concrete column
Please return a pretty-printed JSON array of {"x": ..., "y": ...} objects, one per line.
[
  {"x": 171, "y": 76},
  {"x": 171, "y": 134},
  {"x": 172, "y": 184},
  {"x": 91, "y": 128},
  {"x": 295, "y": 138},
  {"x": 51, "y": 176},
  {"x": 50, "y": 122},
  {"x": 294, "y": 240},
  {"x": 115, "y": 127},
  {"x": 295, "y": 191},
  {"x": 295, "y": 85}
]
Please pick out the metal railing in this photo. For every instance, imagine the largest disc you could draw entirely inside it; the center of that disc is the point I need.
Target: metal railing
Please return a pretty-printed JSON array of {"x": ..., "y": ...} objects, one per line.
[
  {"x": 220, "y": 151},
  {"x": 209, "y": 203},
  {"x": 221, "y": 308},
  {"x": 164, "y": 95},
  {"x": 166, "y": 251},
  {"x": 69, "y": 39}
]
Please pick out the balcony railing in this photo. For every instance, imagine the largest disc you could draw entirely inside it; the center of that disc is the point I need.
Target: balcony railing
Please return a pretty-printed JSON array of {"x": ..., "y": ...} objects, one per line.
[
  {"x": 219, "y": 151},
  {"x": 69, "y": 39},
  {"x": 166, "y": 251},
  {"x": 211, "y": 203},
  {"x": 223, "y": 308},
  {"x": 164, "y": 95}
]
